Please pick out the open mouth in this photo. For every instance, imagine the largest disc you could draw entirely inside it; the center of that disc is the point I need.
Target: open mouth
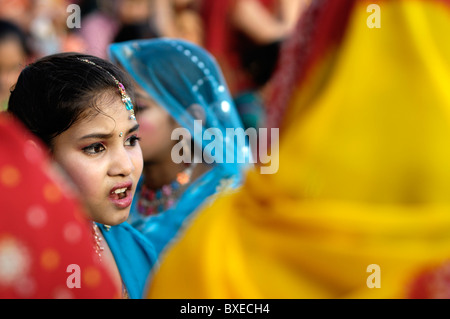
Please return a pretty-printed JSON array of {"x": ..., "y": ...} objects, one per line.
[{"x": 120, "y": 193}]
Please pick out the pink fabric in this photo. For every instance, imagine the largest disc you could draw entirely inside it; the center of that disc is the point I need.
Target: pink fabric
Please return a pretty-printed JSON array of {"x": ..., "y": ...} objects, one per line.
[{"x": 98, "y": 31}]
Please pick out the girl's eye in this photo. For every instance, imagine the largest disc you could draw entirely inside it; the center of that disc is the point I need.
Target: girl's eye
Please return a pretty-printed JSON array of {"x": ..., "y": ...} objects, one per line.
[
  {"x": 140, "y": 107},
  {"x": 94, "y": 149},
  {"x": 132, "y": 140}
]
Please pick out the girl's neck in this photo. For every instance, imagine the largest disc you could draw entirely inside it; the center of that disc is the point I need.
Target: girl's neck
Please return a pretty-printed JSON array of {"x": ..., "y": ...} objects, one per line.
[{"x": 158, "y": 174}]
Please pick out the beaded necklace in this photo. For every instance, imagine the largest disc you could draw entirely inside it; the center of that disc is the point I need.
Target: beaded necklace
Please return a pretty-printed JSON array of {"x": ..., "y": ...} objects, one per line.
[
  {"x": 152, "y": 202},
  {"x": 98, "y": 247}
]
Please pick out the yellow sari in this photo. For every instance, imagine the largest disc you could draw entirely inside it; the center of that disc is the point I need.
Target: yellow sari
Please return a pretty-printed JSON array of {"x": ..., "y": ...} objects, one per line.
[{"x": 360, "y": 206}]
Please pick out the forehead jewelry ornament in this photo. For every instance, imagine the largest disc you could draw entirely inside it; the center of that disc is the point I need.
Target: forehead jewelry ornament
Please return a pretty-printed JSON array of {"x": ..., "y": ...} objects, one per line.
[
  {"x": 125, "y": 98},
  {"x": 120, "y": 134}
]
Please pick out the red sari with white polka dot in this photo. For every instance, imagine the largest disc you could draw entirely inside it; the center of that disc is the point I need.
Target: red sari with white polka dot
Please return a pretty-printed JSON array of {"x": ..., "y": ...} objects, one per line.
[{"x": 46, "y": 246}]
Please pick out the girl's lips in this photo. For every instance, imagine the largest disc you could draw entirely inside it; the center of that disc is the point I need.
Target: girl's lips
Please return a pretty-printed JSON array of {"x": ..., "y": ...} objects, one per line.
[
  {"x": 122, "y": 202},
  {"x": 121, "y": 195}
]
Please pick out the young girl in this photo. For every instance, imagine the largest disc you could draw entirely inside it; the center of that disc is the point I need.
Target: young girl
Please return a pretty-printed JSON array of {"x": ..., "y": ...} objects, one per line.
[
  {"x": 180, "y": 86},
  {"x": 80, "y": 107}
]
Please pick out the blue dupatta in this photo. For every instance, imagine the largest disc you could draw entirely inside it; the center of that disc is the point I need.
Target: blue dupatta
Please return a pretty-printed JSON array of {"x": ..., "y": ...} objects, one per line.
[
  {"x": 134, "y": 256},
  {"x": 178, "y": 74}
]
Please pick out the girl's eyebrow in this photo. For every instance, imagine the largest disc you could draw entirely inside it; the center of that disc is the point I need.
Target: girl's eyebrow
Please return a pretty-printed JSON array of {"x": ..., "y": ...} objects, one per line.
[
  {"x": 97, "y": 136},
  {"x": 133, "y": 129},
  {"x": 109, "y": 135}
]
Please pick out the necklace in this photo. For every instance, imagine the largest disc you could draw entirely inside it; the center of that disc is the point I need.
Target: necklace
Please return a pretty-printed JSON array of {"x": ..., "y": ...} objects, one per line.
[
  {"x": 98, "y": 247},
  {"x": 152, "y": 202}
]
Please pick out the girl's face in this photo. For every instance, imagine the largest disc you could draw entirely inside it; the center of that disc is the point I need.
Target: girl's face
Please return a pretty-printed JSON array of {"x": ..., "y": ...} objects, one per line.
[
  {"x": 156, "y": 126},
  {"x": 101, "y": 154}
]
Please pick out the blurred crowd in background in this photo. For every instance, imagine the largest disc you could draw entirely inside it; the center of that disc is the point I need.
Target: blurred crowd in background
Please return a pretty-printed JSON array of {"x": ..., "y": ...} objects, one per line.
[{"x": 244, "y": 36}]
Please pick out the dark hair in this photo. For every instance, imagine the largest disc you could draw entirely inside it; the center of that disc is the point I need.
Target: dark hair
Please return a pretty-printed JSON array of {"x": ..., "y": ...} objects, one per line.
[
  {"x": 56, "y": 91},
  {"x": 135, "y": 31}
]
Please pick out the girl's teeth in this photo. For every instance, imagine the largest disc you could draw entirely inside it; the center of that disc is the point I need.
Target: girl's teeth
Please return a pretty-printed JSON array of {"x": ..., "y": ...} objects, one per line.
[{"x": 121, "y": 190}]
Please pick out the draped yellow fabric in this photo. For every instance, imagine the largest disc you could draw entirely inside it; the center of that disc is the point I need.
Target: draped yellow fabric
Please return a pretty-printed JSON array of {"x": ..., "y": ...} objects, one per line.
[{"x": 364, "y": 176}]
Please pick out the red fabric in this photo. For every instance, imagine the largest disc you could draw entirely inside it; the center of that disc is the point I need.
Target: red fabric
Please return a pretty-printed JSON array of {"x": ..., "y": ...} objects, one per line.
[
  {"x": 432, "y": 283},
  {"x": 42, "y": 229},
  {"x": 216, "y": 19},
  {"x": 222, "y": 41}
]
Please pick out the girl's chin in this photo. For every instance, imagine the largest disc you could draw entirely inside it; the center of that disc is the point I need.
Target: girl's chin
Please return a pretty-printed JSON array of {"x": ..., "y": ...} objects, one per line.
[{"x": 116, "y": 219}]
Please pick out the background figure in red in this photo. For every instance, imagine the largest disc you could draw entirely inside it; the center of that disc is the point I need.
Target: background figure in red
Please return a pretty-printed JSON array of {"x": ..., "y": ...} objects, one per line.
[{"x": 244, "y": 36}]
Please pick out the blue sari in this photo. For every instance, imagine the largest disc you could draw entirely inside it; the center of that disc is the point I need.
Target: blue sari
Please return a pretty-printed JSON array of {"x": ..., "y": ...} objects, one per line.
[
  {"x": 134, "y": 256},
  {"x": 178, "y": 74}
]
